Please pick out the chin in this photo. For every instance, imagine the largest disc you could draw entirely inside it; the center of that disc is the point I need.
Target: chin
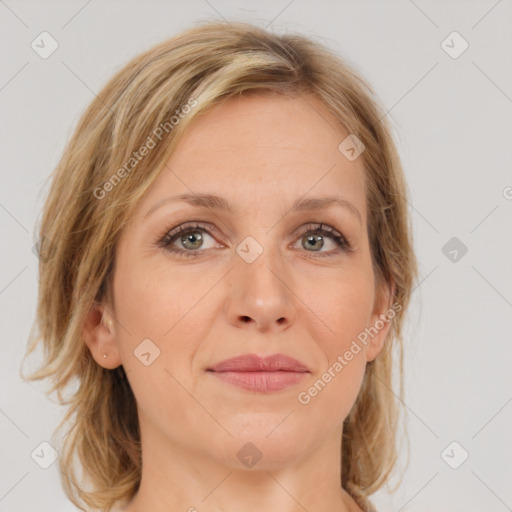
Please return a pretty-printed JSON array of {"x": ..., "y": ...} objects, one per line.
[{"x": 268, "y": 449}]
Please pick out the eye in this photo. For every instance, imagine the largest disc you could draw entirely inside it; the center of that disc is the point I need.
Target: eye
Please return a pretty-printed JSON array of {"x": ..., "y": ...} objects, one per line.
[
  {"x": 312, "y": 236},
  {"x": 188, "y": 239}
]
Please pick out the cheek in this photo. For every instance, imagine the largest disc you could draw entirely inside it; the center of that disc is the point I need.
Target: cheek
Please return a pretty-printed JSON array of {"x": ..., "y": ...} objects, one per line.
[
  {"x": 169, "y": 306},
  {"x": 154, "y": 298},
  {"x": 344, "y": 310},
  {"x": 152, "y": 304},
  {"x": 343, "y": 305}
]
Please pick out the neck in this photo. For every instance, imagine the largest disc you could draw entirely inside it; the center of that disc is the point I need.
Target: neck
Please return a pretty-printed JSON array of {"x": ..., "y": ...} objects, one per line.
[{"x": 181, "y": 478}]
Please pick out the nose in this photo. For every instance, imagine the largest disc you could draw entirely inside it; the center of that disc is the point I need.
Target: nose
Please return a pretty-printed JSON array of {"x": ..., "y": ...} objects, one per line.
[{"x": 261, "y": 295}]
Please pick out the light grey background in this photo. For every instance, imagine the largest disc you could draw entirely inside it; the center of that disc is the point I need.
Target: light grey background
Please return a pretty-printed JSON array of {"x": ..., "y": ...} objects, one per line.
[{"x": 452, "y": 118}]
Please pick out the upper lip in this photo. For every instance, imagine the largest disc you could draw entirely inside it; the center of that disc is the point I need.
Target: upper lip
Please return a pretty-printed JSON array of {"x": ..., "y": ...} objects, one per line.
[{"x": 254, "y": 363}]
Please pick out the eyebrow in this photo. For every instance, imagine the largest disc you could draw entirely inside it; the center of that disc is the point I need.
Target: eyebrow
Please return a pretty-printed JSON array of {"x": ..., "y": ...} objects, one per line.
[{"x": 214, "y": 202}]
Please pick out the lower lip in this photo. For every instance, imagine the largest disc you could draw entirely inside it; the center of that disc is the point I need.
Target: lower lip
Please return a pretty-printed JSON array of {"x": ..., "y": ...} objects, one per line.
[{"x": 262, "y": 382}]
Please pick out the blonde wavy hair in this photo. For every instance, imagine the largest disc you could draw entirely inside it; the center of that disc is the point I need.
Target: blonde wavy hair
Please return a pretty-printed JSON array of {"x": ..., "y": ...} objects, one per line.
[{"x": 80, "y": 226}]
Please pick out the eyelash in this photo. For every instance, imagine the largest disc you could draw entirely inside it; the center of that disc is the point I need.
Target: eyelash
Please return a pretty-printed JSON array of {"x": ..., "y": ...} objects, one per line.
[{"x": 172, "y": 234}]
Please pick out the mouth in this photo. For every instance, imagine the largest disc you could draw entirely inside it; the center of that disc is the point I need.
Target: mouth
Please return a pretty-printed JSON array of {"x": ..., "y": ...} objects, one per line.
[{"x": 262, "y": 375}]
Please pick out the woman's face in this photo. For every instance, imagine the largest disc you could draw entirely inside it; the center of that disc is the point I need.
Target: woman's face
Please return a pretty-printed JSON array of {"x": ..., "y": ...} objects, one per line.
[{"x": 252, "y": 279}]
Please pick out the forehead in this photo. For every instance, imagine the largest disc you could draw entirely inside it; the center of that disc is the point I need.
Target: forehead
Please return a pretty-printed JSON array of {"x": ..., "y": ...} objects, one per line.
[
  {"x": 271, "y": 145},
  {"x": 263, "y": 128}
]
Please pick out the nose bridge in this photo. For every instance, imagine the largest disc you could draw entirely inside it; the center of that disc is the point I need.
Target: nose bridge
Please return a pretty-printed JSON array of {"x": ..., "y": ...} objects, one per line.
[
  {"x": 262, "y": 264},
  {"x": 261, "y": 289}
]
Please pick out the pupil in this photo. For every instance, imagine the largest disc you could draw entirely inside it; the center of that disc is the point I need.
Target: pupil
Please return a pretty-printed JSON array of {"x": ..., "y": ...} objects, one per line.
[
  {"x": 314, "y": 239},
  {"x": 192, "y": 238}
]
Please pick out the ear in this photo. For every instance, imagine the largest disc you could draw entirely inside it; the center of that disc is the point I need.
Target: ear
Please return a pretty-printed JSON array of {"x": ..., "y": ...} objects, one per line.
[
  {"x": 99, "y": 335},
  {"x": 381, "y": 319}
]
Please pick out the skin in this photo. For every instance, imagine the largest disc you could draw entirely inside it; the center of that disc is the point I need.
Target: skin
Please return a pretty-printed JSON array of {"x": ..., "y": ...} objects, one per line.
[{"x": 261, "y": 153}]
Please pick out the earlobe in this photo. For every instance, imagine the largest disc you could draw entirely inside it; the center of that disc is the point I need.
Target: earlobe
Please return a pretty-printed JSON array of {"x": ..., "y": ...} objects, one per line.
[{"x": 99, "y": 334}]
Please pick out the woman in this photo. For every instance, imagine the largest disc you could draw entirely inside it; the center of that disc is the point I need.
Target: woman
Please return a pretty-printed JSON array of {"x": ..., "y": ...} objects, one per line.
[{"x": 227, "y": 265}]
